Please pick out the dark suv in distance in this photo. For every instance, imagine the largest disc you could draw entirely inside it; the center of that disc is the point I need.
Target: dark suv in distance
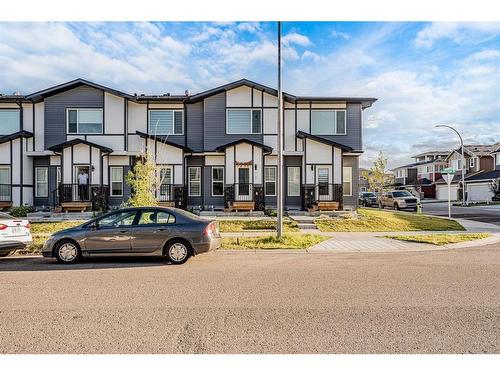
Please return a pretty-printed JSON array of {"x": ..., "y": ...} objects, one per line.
[
  {"x": 367, "y": 199},
  {"x": 149, "y": 231}
]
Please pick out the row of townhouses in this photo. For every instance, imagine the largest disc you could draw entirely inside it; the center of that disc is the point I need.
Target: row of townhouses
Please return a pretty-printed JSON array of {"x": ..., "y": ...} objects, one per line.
[
  {"x": 213, "y": 149},
  {"x": 482, "y": 168}
]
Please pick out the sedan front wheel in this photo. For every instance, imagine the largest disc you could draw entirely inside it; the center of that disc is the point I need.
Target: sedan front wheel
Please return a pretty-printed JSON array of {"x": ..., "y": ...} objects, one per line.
[
  {"x": 178, "y": 252},
  {"x": 67, "y": 252}
]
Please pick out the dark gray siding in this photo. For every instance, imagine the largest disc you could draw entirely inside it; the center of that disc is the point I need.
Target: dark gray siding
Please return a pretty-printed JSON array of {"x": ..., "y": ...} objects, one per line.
[
  {"x": 44, "y": 161},
  {"x": 209, "y": 200},
  {"x": 194, "y": 126},
  {"x": 55, "y": 110},
  {"x": 215, "y": 124},
  {"x": 193, "y": 161},
  {"x": 352, "y": 161},
  {"x": 292, "y": 202},
  {"x": 353, "y": 138}
]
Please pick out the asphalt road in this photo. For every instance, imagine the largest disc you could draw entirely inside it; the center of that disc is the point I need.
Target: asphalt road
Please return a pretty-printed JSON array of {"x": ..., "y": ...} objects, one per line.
[
  {"x": 421, "y": 302},
  {"x": 485, "y": 214}
]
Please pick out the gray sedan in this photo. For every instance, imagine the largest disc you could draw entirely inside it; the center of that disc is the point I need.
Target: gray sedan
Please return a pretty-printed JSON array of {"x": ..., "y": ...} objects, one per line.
[{"x": 150, "y": 231}]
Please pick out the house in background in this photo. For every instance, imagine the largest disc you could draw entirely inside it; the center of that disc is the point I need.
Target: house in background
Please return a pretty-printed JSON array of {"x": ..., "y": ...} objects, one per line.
[
  {"x": 214, "y": 150},
  {"x": 478, "y": 159},
  {"x": 421, "y": 175},
  {"x": 363, "y": 179},
  {"x": 479, "y": 186}
]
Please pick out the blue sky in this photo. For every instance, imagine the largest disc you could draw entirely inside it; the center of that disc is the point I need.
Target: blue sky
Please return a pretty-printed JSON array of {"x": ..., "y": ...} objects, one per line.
[{"x": 422, "y": 73}]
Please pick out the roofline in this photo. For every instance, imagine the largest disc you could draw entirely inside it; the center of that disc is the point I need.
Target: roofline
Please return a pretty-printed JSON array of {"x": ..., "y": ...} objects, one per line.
[
  {"x": 162, "y": 140},
  {"x": 19, "y": 134},
  {"x": 264, "y": 147},
  {"x": 76, "y": 141},
  {"x": 39, "y": 95},
  {"x": 301, "y": 134}
]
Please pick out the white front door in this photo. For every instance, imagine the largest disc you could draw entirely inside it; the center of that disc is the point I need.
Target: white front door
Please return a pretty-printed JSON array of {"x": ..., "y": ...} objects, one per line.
[{"x": 324, "y": 188}]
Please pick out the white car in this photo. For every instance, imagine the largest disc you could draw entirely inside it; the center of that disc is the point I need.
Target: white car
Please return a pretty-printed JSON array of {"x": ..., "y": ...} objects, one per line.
[{"x": 14, "y": 234}]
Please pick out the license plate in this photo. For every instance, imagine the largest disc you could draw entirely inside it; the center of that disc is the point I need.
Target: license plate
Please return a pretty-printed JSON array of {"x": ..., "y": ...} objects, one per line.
[{"x": 17, "y": 230}]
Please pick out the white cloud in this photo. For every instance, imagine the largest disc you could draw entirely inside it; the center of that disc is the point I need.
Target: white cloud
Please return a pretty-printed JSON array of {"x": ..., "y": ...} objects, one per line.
[
  {"x": 339, "y": 34},
  {"x": 296, "y": 38},
  {"x": 309, "y": 55},
  {"x": 453, "y": 30}
]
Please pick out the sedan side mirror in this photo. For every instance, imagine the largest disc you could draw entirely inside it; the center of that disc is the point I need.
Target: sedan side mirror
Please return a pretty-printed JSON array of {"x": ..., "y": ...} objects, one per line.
[{"x": 94, "y": 225}]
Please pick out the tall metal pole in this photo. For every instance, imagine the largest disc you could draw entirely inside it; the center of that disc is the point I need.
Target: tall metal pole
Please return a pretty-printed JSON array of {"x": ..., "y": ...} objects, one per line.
[
  {"x": 463, "y": 158},
  {"x": 279, "y": 195}
]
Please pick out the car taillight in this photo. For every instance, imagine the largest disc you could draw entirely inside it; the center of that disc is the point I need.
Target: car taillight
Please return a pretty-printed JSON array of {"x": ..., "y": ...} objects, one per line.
[
  {"x": 210, "y": 229},
  {"x": 3, "y": 226},
  {"x": 28, "y": 226}
]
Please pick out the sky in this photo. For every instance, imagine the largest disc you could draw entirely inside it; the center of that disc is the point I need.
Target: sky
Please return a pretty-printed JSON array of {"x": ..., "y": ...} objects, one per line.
[{"x": 422, "y": 73}]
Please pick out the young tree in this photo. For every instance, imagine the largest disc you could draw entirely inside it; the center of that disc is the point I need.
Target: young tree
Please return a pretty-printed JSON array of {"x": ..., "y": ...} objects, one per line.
[
  {"x": 378, "y": 177},
  {"x": 143, "y": 182}
]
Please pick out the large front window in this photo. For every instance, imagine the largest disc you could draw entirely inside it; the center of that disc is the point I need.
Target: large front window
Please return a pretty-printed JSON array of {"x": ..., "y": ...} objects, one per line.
[
  {"x": 244, "y": 121},
  {"x": 166, "y": 122},
  {"x": 347, "y": 181},
  {"x": 194, "y": 181},
  {"x": 328, "y": 122},
  {"x": 217, "y": 181},
  {"x": 116, "y": 181},
  {"x": 41, "y": 182},
  {"x": 10, "y": 121},
  {"x": 84, "y": 121}
]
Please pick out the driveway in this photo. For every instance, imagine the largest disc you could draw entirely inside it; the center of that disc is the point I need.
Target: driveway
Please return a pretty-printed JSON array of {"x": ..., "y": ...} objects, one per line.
[
  {"x": 485, "y": 214},
  {"x": 418, "y": 302}
]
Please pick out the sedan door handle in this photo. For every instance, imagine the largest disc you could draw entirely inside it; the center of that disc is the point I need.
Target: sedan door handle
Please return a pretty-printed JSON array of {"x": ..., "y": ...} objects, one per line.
[
  {"x": 123, "y": 231},
  {"x": 162, "y": 229}
]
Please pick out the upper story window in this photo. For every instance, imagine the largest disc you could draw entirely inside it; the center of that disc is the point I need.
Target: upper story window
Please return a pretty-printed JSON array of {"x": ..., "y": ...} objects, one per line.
[
  {"x": 328, "y": 122},
  {"x": 244, "y": 121},
  {"x": 166, "y": 122},
  {"x": 10, "y": 121},
  {"x": 84, "y": 121}
]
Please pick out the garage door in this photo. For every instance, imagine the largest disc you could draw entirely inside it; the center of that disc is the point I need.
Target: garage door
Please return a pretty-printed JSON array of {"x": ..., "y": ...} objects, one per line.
[
  {"x": 479, "y": 192},
  {"x": 442, "y": 192}
]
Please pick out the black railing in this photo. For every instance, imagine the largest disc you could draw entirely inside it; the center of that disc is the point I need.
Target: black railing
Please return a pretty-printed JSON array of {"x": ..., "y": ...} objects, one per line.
[
  {"x": 98, "y": 195},
  {"x": 244, "y": 192},
  {"x": 5, "y": 193},
  {"x": 322, "y": 192},
  {"x": 173, "y": 194}
]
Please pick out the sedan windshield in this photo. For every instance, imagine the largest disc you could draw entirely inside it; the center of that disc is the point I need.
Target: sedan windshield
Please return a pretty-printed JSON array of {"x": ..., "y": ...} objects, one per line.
[{"x": 401, "y": 194}]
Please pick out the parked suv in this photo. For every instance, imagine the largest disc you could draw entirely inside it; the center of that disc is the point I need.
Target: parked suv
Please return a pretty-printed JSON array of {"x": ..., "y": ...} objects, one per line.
[
  {"x": 367, "y": 199},
  {"x": 398, "y": 199}
]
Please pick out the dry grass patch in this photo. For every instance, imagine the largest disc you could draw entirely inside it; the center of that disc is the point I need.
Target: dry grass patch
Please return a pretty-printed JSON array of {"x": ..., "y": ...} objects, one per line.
[
  {"x": 370, "y": 220},
  {"x": 289, "y": 241},
  {"x": 440, "y": 239}
]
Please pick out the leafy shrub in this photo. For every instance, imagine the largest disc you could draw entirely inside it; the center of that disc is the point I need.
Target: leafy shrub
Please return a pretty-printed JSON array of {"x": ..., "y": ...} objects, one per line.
[{"x": 21, "y": 211}]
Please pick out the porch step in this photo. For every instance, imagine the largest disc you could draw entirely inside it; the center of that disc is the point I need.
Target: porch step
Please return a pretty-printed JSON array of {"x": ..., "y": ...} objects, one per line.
[
  {"x": 304, "y": 222},
  {"x": 307, "y": 226}
]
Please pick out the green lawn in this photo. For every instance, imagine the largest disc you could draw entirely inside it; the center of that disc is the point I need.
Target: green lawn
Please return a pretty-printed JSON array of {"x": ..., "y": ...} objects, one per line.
[
  {"x": 371, "y": 220},
  {"x": 289, "y": 241},
  {"x": 440, "y": 239},
  {"x": 265, "y": 224},
  {"x": 42, "y": 231}
]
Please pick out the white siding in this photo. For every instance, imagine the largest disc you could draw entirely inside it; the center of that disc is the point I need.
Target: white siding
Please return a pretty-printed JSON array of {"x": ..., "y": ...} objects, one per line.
[
  {"x": 27, "y": 167},
  {"x": 137, "y": 117},
  {"x": 5, "y": 152},
  {"x": 214, "y": 160},
  {"x": 339, "y": 105},
  {"x": 135, "y": 143},
  {"x": 166, "y": 105},
  {"x": 229, "y": 167},
  {"x": 270, "y": 121},
  {"x": 271, "y": 141},
  {"x": 318, "y": 153},
  {"x": 257, "y": 98},
  {"x": 166, "y": 154},
  {"x": 28, "y": 194},
  {"x": 271, "y": 160},
  {"x": 67, "y": 166},
  {"x": 95, "y": 177},
  {"x": 28, "y": 117},
  {"x": 289, "y": 131},
  {"x": 55, "y": 160},
  {"x": 114, "y": 142},
  {"x": 105, "y": 167},
  {"x": 16, "y": 161},
  {"x": 118, "y": 160},
  {"x": 243, "y": 152},
  {"x": 239, "y": 97},
  {"x": 270, "y": 100},
  {"x": 257, "y": 171},
  {"x": 179, "y": 177},
  {"x": 81, "y": 154},
  {"x": 337, "y": 165},
  {"x": 303, "y": 120},
  {"x": 114, "y": 114},
  {"x": 39, "y": 127},
  {"x": 310, "y": 177}
]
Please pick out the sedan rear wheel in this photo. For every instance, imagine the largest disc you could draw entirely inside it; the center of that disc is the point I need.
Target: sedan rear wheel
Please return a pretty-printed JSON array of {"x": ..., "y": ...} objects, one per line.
[
  {"x": 178, "y": 252},
  {"x": 67, "y": 252}
]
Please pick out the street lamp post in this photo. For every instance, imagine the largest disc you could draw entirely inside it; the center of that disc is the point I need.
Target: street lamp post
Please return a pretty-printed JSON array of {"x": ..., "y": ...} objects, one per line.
[
  {"x": 279, "y": 224},
  {"x": 463, "y": 158}
]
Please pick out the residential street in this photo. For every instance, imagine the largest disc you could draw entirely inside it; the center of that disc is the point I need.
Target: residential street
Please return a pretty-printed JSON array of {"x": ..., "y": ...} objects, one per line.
[
  {"x": 485, "y": 214},
  {"x": 445, "y": 301}
]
